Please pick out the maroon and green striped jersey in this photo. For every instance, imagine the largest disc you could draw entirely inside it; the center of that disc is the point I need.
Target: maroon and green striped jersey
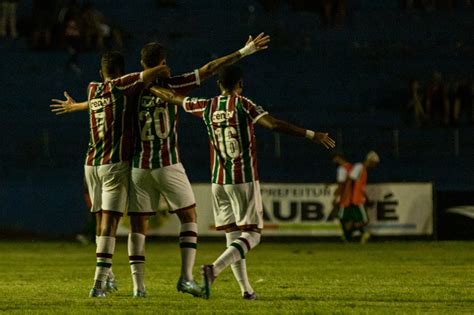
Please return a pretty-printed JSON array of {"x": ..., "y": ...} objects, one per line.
[
  {"x": 156, "y": 140},
  {"x": 111, "y": 113},
  {"x": 230, "y": 126}
]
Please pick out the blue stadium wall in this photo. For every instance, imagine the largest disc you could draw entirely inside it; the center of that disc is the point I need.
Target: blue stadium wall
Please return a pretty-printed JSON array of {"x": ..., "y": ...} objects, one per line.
[{"x": 349, "y": 81}]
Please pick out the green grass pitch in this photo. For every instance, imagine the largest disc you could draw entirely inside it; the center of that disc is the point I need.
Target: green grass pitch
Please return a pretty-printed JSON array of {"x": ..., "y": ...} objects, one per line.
[{"x": 298, "y": 278}]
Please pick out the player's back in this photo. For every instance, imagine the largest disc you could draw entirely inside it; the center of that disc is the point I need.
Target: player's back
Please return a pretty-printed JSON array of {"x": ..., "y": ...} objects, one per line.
[
  {"x": 156, "y": 141},
  {"x": 111, "y": 105},
  {"x": 230, "y": 125},
  {"x": 231, "y": 133}
]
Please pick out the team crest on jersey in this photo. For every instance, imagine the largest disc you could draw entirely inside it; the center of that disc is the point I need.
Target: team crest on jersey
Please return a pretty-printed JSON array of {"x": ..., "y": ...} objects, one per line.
[
  {"x": 150, "y": 101},
  {"x": 221, "y": 116},
  {"x": 98, "y": 103}
]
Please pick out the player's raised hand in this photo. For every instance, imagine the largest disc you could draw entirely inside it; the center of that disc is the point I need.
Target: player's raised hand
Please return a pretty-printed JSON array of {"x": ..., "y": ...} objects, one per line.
[
  {"x": 260, "y": 42},
  {"x": 69, "y": 105},
  {"x": 324, "y": 139},
  {"x": 255, "y": 44},
  {"x": 62, "y": 106}
]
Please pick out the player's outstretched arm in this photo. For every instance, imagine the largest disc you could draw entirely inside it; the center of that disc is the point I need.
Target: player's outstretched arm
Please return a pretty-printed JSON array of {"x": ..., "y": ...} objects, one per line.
[
  {"x": 151, "y": 75},
  {"x": 252, "y": 46},
  {"x": 270, "y": 122},
  {"x": 167, "y": 95},
  {"x": 69, "y": 105}
]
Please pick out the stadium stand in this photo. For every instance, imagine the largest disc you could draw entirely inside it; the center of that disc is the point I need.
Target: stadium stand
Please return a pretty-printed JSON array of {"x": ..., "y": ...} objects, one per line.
[{"x": 349, "y": 80}]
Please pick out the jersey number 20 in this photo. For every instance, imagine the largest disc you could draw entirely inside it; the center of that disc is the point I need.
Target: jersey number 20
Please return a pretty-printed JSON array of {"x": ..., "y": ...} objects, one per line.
[{"x": 157, "y": 121}]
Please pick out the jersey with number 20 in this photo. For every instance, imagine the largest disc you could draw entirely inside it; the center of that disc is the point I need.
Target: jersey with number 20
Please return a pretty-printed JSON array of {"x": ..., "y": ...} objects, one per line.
[{"x": 156, "y": 141}]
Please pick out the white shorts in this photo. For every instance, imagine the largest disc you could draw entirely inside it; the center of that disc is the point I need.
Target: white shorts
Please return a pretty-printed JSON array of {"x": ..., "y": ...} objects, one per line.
[
  {"x": 108, "y": 186},
  {"x": 171, "y": 182},
  {"x": 238, "y": 204}
]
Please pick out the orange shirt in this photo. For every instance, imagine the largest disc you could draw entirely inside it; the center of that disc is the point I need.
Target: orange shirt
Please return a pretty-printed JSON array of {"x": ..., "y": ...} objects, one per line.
[{"x": 359, "y": 176}]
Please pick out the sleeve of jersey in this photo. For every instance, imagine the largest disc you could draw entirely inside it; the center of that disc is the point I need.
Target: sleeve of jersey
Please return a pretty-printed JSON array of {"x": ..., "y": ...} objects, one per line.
[
  {"x": 341, "y": 174},
  {"x": 91, "y": 88},
  {"x": 255, "y": 112},
  {"x": 195, "y": 106},
  {"x": 355, "y": 172},
  {"x": 184, "y": 83},
  {"x": 129, "y": 83}
]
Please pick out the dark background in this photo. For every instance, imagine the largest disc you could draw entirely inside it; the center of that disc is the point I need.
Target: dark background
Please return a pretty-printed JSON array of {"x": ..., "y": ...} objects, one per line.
[{"x": 340, "y": 66}]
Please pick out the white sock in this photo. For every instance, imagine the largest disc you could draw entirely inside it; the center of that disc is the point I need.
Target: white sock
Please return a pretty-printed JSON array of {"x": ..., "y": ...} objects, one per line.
[
  {"x": 188, "y": 245},
  {"x": 111, "y": 275},
  {"x": 104, "y": 252},
  {"x": 229, "y": 256},
  {"x": 236, "y": 251},
  {"x": 136, "y": 256},
  {"x": 239, "y": 268}
]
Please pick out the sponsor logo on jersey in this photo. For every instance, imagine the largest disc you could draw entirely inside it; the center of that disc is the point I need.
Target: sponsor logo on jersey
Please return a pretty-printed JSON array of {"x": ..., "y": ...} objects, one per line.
[
  {"x": 150, "y": 101},
  {"x": 98, "y": 103},
  {"x": 221, "y": 116}
]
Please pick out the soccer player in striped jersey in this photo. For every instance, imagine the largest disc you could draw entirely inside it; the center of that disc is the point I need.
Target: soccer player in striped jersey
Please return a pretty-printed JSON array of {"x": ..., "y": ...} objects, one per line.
[
  {"x": 157, "y": 168},
  {"x": 237, "y": 203},
  {"x": 111, "y": 105}
]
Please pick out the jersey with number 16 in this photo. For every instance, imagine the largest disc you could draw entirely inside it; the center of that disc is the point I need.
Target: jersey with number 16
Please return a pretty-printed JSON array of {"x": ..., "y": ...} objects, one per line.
[{"x": 230, "y": 127}]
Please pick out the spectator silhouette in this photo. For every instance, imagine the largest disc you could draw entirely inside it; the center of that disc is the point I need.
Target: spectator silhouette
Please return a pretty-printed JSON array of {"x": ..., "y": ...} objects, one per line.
[
  {"x": 70, "y": 26},
  {"x": 44, "y": 17},
  {"x": 437, "y": 103},
  {"x": 414, "y": 106},
  {"x": 462, "y": 101},
  {"x": 97, "y": 29},
  {"x": 8, "y": 18},
  {"x": 334, "y": 12}
]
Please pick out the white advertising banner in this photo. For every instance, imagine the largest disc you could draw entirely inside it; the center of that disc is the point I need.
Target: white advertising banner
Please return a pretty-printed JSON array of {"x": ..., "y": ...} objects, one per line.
[{"x": 306, "y": 209}]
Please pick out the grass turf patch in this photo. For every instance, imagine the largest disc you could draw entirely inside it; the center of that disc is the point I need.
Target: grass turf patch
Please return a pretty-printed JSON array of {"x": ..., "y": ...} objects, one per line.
[{"x": 302, "y": 278}]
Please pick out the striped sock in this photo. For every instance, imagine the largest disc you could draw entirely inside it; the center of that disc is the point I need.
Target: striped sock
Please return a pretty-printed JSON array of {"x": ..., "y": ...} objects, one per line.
[
  {"x": 236, "y": 251},
  {"x": 229, "y": 256},
  {"x": 239, "y": 268},
  {"x": 188, "y": 245},
  {"x": 111, "y": 275},
  {"x": 136, "y": 256},
  {"x": 104, "y": 252}
]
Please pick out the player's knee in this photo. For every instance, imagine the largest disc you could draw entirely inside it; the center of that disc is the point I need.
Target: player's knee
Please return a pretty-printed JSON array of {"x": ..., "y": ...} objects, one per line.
[
  {"x": 109, "y": 224},
  {"x": 139, "y": 224},
  {"x": 253, "y": 238},
  {"x": 187, "y": 215},
  {"x": 231, "y": 235}
]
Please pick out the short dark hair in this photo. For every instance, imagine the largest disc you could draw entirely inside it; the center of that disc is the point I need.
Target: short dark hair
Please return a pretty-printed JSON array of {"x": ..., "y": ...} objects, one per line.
[
  {"x": 229, "y": 76},
  {"x": 338, "y": 155},
  {"x": 112, "y": 62},
  {"x": 152, "y": 54}
]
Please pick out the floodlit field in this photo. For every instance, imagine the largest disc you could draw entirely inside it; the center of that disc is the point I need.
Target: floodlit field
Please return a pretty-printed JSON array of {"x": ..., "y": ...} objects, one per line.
[{"x": 299, "y": 278}]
